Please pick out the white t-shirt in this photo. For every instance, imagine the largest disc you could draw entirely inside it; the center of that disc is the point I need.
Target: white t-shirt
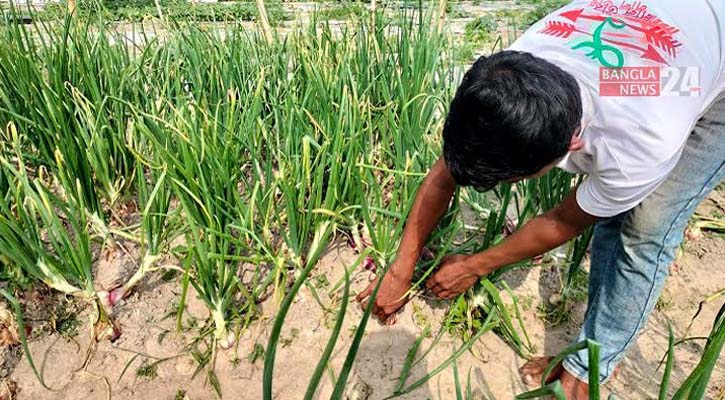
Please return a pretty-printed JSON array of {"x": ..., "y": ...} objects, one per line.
[{"x": 632, "y": 143}]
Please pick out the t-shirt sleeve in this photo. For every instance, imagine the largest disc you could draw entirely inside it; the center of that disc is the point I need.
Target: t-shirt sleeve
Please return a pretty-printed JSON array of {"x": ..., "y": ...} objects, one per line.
[
  {"x": 620, "y": 181},
  {"x": 602, "y": 197}
]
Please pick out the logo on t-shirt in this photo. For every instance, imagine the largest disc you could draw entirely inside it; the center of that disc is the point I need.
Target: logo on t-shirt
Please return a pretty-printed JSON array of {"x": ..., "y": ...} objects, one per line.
[
  {"x": 649, "y": 81},
  {"x": 634, "y": 48},
  {"x": 610, "y": 33}
]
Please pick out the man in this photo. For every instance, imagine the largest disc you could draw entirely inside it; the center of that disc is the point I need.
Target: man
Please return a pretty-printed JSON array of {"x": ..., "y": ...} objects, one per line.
[{"x": 559, "y": 97}]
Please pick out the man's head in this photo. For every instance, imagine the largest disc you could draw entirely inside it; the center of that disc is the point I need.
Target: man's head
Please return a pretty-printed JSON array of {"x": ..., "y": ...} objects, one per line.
[{"x": 513, "y": 116}]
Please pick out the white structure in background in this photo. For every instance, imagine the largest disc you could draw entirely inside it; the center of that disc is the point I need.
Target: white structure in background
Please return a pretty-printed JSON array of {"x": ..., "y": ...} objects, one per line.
[{"x": 25, "y": 3}]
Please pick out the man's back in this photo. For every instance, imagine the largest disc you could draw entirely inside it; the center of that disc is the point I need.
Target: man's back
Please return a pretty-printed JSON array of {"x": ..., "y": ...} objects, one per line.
[{"x": 648, "y": 70}]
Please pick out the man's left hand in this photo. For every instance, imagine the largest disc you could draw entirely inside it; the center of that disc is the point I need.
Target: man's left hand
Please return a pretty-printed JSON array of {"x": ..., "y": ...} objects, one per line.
[{"x": 456, "y": 274}]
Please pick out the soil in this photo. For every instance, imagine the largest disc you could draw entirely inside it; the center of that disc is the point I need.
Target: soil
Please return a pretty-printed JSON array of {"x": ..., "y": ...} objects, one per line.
[{"x": 113, "y": 370}]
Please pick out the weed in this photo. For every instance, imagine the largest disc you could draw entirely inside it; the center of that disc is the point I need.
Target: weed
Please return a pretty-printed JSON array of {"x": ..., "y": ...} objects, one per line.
[
  {"x": 478, "y": 37},
  {"x": 65, "y": 319},
  {"x": 527, "y": 302},
  {"x": 257, "y": 353},
  {"x": 321, "y": 281},
  {"x": 664, "y": 302},
  {"x": 147, "y": 370},
  {"x": 294, "y": 333},
  {"x": 169, "y": 275},
  {"x": 420, "y": 319}
]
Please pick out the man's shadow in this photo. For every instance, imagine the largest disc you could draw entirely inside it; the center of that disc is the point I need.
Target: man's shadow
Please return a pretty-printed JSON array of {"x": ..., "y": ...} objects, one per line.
[{"x": 379, "y": 364}]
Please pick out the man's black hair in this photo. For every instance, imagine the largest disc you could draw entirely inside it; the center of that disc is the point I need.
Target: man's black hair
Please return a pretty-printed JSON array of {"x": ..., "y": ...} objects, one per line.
[{"x": 512, "y": 115}]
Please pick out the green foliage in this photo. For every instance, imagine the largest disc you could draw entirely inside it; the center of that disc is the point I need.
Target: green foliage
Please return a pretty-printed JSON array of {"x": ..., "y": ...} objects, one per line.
[
  {"x": 479, "y": 35},
  {"x": 257, "y": 353},
  {"x": 147, "y": 370},
  {"x": 340, "y": 11},
  {"x": 65, "y": 319},
  {"x": 541, "y": 9},
  {"x": 480, "y": 29},
  {"x": 45, "y": 236},
  {"x": 257, "y": 153},
  {"x": 174, "y": 10}
]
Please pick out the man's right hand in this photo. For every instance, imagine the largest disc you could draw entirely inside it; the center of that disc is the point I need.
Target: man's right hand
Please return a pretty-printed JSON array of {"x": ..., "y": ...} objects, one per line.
[
  {"x": 431, "y": 203},
  {"x": 391, "y": 295}
]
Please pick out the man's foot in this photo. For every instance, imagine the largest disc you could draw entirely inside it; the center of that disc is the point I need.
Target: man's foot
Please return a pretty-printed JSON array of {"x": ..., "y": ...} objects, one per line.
[
  {"x": 532, "y": 371},
  {"x": 574, "y": 389}
]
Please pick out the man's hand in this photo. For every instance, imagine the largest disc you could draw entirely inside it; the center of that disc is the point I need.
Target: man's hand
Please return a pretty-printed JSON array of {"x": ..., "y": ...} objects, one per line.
[
  {"x": 391, "y": 296},
  {"x": 543, "y": 233},
  {"x": 455, "y": 275},
  {"x": 431, "y": 202}
]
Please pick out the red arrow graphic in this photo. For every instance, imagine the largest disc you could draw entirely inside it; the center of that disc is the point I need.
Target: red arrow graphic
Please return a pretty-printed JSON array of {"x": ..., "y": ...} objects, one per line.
[
  {"x": 574, "y": 15},
  {"x": 660, "y": 37},
  {"x": 655, "y": 31},
  {"x": 564, "y": 30},
  {"x": 650, "y": 53},
  {"x": 560, "y": 29}
]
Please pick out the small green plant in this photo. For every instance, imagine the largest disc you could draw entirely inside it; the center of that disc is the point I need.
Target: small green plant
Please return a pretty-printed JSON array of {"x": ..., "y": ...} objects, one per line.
[
  {"x": 481, "y": 29},
  {"x": 321, "y": 281},
  {"x": 664, "y": 302},
  {"x": 294, "y": 333},
  {"x": 420, "y": 319},
  {"x": 556, "y": 310},
  {"x": 257, "y": 353},
  {"x": 541, "y": 9},
  {"x": 65, "y": 319},
  {"x": 148, "y": 370}
]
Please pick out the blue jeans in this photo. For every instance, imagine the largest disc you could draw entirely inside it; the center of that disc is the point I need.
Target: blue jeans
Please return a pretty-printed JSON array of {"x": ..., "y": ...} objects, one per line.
[{"x": 631, "y": 252}]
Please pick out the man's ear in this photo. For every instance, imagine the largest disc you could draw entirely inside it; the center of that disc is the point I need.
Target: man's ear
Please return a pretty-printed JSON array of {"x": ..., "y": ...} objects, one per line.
[{"x": 576, "y": 143}]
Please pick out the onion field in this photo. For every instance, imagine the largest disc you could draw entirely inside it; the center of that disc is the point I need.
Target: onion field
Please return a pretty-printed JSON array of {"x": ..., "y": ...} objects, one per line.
[{"x": 229, "y": 161}]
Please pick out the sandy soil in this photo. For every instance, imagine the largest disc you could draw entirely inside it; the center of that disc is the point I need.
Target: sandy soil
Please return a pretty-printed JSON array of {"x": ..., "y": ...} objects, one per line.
[{"x": 149, "y": 334}]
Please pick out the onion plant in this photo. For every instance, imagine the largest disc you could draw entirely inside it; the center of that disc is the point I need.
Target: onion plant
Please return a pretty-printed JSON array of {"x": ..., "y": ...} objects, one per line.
[
  {"x": 154, "y": 199},
  {"x": 49, "y": 236},
  {"x": 264, "y": 148},
  {"x": 56, "y": 84},
  {"x": 44, "y": 234},
  {"x": 201, "y": 182}
]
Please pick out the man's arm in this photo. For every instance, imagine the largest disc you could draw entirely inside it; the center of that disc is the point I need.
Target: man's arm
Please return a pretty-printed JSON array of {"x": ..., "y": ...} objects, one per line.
[
  {"x": 543, "y": 233},
  {"x": 430, "y": 204}
]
